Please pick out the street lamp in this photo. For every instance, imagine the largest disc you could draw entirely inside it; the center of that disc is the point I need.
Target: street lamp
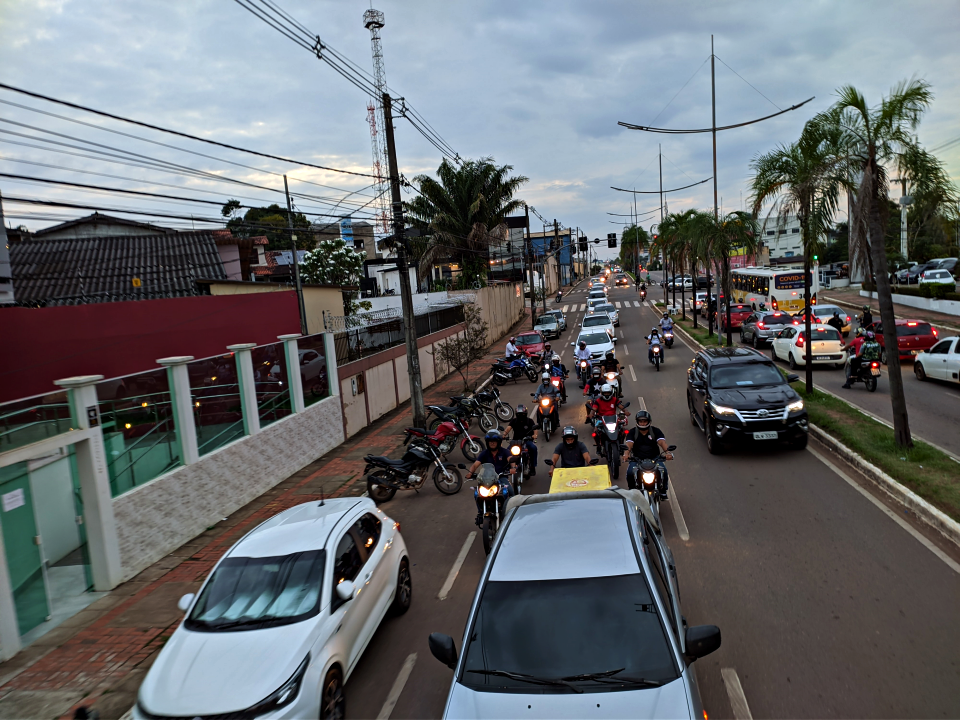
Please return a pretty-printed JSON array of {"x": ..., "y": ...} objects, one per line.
[{"x": 905, "y": 201}]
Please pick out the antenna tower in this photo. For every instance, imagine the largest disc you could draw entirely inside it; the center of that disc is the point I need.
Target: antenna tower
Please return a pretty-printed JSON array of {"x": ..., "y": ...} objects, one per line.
[{"x": 373, "y": 21}]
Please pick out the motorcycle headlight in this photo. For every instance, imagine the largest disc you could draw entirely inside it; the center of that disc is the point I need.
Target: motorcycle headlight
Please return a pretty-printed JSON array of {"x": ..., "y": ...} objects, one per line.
[
  {"x": 649, "y": 478},
  {"x": 556, "y": 383},
  {"x": 611, "y": 427},
  {"x": 611, "y": 376},
  {"x": 515, "y": 450},
  {"x": 721, "y": 410},
  {"x": 795, "y": 406},
  {"x": 488, "y": 491},
  {"x": 282, "y": 696},
  {"x": 656, "y": 348},
  {"x": 545, "y": 402}
]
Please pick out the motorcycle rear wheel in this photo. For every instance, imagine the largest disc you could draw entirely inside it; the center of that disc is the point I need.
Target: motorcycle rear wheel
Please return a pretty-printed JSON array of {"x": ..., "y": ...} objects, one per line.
[
  {"x": 449, "y": 484},
  {"x": 505, "y": 411},
  {"x": 488, "y": 422},
  {"x": 499, "y": 379},
  {"x": 471, "y": 448},
  {"x": 377, "y": 492},
  {"x": 434, "y": 424},
  {"x": 871, "y": 383}
]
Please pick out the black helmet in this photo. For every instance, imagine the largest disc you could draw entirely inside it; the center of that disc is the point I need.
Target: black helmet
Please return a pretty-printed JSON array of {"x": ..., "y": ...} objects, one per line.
[
  {"x": 866, "y": 308},
  {"x": 493, "y": 436},
  {"x": 583, "y": 344},
  {"x": 521, "y": 409},
  {"x": 571, "y": 432},
  {"x": 609, "y": 355},
  {"x": 643, "y": 417}
]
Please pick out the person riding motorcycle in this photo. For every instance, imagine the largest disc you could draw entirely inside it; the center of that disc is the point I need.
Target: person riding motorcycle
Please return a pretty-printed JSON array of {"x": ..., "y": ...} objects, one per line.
[
  {"x": 853, "y": 348},
  {"x": 546, "y": 389},
  {"x": 495, "y": 454},
  {"x": 869, "y": 351},
  {"x": 646, "y": 442},
  {"x": 654, "y": 339},
  {"x": 570, "y": 452},
  {"x": 524, "y": 430},
  {"x": 605, "y": 405},
  {"x": 592, "y": 389},
  {"x": 666, "y": 322},
  {"x": 836, "y": 322},
  {"x": 557, "y": 368},
  {"x": 610, "y": 362},
  {"x": 866, "y": 319},
  {"x": 581, "y": 354}
]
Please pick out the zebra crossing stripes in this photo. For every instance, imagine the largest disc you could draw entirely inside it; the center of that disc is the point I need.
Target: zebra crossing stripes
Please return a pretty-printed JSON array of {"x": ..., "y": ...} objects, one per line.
[
  {"x": 583, "y": 307},
  {"x": 618, "y": 306}
]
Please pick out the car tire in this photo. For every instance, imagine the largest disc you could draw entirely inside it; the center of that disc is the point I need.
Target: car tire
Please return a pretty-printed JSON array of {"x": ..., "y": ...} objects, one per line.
[
  {"x": 333, "y": 704},
  {"x": 919, "y": 372},
  {"x": 714, "y": 446},
  {"x": 756, "y": 342},
  {"x": 791, "y": 361},
  {"x": 800, "y": 443},
  {"x": 404, "y": 593},
  {"x": 693, "y": 415}
]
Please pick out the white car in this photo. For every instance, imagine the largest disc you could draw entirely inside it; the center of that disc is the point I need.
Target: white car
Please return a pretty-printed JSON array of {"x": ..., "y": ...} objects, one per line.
[
  {"x": 594, "y": 303},
  {"x": 937, "y": 277},
  {"x": 611, "y": 311},
  {"x": 282, "y": 620},
  {"x": 599, "y": 321},
  {"x": 941, "y": 362},
  {"x": 598, "y": 343},
  {"x": 790, "y": 344}
]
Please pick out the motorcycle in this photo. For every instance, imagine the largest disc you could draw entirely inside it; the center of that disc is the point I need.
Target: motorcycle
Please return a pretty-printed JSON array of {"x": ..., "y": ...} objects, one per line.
[
  {"x": 867, "y": 374},
  {"x": 471, "y": 445},
  {"x": 386, "y": 476},
  {"x": 491, "y": 495},
  {"x": 514, "y": 369},
  {"x": 584, "y": 369},
  {"x": 643, "y": 295},
  {"x": 444, "y": 438},
  {"x": 613, "y": 379},
  {"x": 651, "y": 481},
  {"x": 490, "y": 400},
  {"x": 519, "y": 452},
  {"x": 559, "y": 297},
  {"x": 557, "y": 380},
  {"x": 609, "y": 431},
  {"x": 545, "y": 410},
  {"x": 668, "y": 338},
  {"x": 657, "y": 356},
  {"x": 468, "y": 408}
]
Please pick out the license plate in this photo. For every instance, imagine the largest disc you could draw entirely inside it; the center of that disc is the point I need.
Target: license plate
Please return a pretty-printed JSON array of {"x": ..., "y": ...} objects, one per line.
[
  {"x": 874, "y": 371},
  {"x": 821, "y": 357},
  {"x": 765, "y": 435}
]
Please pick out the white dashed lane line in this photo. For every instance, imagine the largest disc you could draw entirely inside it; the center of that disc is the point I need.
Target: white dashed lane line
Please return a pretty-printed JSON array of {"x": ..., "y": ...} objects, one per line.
[
  {"x": 391, "y": 702},
  {"x": 633, "y": 374},
  {"x": 457, "y": 564},
  {"x": 625, "y": 350},
  {"x": 738, "y": 701}
]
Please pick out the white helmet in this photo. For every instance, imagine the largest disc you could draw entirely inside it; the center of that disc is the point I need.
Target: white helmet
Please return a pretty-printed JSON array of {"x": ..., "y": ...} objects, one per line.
[
  {"x": 545, "y": 377},
  {"x": 556, "y": 359},
  {"x": 606, "y": 391}
]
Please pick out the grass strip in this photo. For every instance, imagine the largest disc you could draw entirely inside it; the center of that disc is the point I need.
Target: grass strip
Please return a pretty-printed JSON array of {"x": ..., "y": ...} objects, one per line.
[
  {"x": 700, "y": 333},
  {"x": 923, "y": 469}
]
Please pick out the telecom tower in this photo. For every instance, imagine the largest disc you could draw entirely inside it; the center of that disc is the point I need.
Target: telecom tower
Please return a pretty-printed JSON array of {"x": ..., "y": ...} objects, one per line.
[{"x": 373, "y": 21}]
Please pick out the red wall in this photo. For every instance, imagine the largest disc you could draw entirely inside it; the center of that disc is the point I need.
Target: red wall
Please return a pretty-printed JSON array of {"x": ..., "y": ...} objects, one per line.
[{"x": 40, "y": 345}]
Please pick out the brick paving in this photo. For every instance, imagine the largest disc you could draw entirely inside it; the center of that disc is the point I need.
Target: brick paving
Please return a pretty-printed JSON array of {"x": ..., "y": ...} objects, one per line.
[{"x": 99, "y": 657}]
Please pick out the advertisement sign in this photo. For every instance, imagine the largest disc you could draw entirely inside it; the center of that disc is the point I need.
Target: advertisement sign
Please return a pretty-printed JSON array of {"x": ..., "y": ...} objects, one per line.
[
  {"x": 346, "y": 230},
  {"x": 789, "y": 281}
]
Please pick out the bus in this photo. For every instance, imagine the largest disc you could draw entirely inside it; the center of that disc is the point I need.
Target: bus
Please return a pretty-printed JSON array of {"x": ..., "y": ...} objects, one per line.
[{"x": 776, "y": 289}]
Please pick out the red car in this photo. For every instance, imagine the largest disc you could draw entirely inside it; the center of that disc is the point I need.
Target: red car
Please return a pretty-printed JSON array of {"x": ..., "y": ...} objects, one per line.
[
  {"x": 530, "y": 342},
  {"x": 913, "y": 337},
  {"x": 738, "y": 313}
]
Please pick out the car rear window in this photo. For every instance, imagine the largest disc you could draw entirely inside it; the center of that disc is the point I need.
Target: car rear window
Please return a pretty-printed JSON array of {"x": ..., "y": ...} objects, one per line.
[
  {"x": 777, "y": 319},
  {"x": 920, "y": 328},
  {"x": 740, "y": 308},
  {"x": 752, "y": 374},
  {"x": 595, "y": 339},
  {"x": 595, "y": 321},
  {"x": 606, "y": 308},
  {"x": 828, "y": 333}
]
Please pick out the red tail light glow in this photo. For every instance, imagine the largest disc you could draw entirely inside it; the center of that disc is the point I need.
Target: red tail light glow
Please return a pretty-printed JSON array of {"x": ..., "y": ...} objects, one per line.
[
  {"x": 799, "y": 340},
  {"x": 761, "y": 326},
  {"x": 911, "y": 324},
  {"x": 874, "y": 364}
]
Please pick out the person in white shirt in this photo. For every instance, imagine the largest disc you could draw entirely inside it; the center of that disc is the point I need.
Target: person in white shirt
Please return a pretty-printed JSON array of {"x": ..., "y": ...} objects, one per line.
[{"x": 512, "y": 349}]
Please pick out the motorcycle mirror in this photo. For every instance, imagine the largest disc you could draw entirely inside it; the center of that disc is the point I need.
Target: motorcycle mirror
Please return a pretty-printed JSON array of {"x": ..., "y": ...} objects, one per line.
[
  {"x": 532, "y": 395},
  {"x": 443, "y": 649},
  {"x": 671, "y": 448},
  {"x": 595, "y": 461},
  {"x": 345, "y": 590},
  {"x": 626, "y": 404},
  {"x": 548, "y": 462},
  {"x": 461, "y": 466}
]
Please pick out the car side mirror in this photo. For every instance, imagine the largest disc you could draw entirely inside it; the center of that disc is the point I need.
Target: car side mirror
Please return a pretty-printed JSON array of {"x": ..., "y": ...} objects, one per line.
[
  {"x": 443, "y": 649},
  {"x": 792, "y": 377},
  {"x": 548, "y": 462},
  {"x": 701, "y": 640},
  {"x": 696, "y": 384},
  {"x": 461, "y": 466},
  {"x": 671, "y": 448},
  {"x": 345, "y": 590},
  {"x": 184, "y": 603},
  {"x": 595, "y": 461}
]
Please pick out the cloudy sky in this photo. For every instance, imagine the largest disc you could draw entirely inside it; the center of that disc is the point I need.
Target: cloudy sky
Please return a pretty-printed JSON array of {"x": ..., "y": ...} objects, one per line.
[{"x": 537, "y": 85}]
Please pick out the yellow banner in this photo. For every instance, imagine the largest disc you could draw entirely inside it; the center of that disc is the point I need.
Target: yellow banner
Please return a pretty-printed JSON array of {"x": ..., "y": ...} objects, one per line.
[{"x": 585, "y": 478}]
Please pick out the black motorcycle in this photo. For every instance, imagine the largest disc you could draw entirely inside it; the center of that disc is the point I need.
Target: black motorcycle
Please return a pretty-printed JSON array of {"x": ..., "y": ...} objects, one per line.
[
  {"x": 490, "y": 400},
  {"x": 385, "y": 476},
  {"x": 657, "y": 358},
  {"x": 868, "y": 374},
  {"x": 503, "y": 371},
  {"x": 468, "y": 408},
  {"x": 545, "y": 414},
  {"x": 520, "y": 455},
  {"x": 491, "y": 495},
  {"x": 645, "y": 475},
  {"x": 584, "y": 370},
  {"x": 609, "y": 431},
  {"x": 643, "y": 295},
  {"x": 668, "y": 338},
  {"x": 559, "y": 297}
]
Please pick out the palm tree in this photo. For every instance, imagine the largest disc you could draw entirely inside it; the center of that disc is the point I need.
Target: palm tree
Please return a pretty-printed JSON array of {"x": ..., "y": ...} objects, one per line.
[
  {"x": 462, "y": 213},
  {"x": 674, "y": 245},
  {"x": 803, "y": 179},
  {"x": 632, "y": 241},
  {"x": 873, "y": 139}
]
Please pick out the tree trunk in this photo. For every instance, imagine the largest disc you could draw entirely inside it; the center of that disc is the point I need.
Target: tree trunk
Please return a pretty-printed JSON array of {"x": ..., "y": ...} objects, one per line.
[
  {"x": 808, "y": 319},
  {"x": 693, "y": 273},
  {"x": 901, "y": 424},
  {"x": 726, "y": 297}
]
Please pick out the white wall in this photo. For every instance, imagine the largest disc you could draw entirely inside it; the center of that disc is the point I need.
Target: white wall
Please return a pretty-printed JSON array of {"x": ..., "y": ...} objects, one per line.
[
  {"x": 53, "y": 500},
  {"x": 394, "y": 301},
  {"x": 950, "y": 307}
]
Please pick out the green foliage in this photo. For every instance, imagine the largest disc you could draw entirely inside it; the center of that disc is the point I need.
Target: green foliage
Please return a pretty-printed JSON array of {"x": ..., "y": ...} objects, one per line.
[
  {"x": 270, "y": 221},
  {"x": 458, "y": 351},
  {"x": 633, "y": 240},
  {"x": 333, "y": 262}
]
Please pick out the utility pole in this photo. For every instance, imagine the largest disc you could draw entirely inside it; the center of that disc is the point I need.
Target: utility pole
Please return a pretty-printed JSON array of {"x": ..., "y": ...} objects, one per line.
[
  {"x": 406, "y": 296},
  {"x": 716, "y": 212},
  {"x": 295, "y": 260},
  {"x": 556, "y": 242},
  {"x": 527, "y": 250}
]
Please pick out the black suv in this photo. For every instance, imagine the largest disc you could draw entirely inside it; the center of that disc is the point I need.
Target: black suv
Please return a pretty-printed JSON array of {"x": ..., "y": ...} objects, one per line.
[{"x": 737, "y": 393}]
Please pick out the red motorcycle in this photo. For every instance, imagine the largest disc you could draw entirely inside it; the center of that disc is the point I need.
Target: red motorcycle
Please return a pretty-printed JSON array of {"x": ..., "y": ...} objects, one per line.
[
  {"x": 557, "y": 380},
  {"x": 445, "y": 435}
]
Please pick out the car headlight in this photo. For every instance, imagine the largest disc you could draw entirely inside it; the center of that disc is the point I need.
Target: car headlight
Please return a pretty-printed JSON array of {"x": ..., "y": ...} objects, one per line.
[
  {"x": 488, "y": 491},
  {"x": 282, "y": 696},
  {"x": 721, "y": 410},
  {"x": 795, "y": 406}
]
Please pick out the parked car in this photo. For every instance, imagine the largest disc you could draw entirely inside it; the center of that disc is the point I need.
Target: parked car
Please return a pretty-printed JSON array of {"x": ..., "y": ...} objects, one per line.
[
  {"x": 599, "y": 343},
  {"x": 821, "y": 314},
  {"x": 738, "y": 313},
  {"x": 761, "y": 327},
  {"x": 903, "y": 272},
  {"x": 530, "y": 342},
  {"x": 577, "y": 614},
  {"x": 548, "y": 326},
  {"x": 912, "y": 276},
  {"x": 913, "y": 337},
  {"x": 950, "y": 265},
  {"x": 737, "y": 394},
  {"x": 685, "y": 281},
  {"x": 827, "y": 346},
  {"x": 702, "y": 281},
  {"x": 611, "y": 311},
  {"x": 281, "y": 622},
  {"x": 558, "y": 314},
  {"x": 941, "y": 362},
  {"x": 599, "y": 321},
  {"x": 937, "y": 277}
]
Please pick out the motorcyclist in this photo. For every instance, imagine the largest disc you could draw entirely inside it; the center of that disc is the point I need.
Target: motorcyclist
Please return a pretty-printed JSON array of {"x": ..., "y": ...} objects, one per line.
[
  {"x": 605, "y": 405},
  {"x": 557, "y": 368},
  {"x": 610, "y": 362},
  {"x": 570, "y": 452},
  {"x": 581, "y": 354},
  {"x": 495, "y": 454},
  {"x": 654, "y": 339},
  {"x": 547, "y": 389},
  {"x": 836, "y": 322},
  {"x": 869, "y": 351},
  {"x": 592, "y": 389},
  {"x": 666, "y": 322},
  {"x": 646, "y": 442},
  {"x": 866, "y": 318},
  {"x": 512, "y": 349},
  {"x": 520, "y": 429},
  {"x": 852, "y": 349}
]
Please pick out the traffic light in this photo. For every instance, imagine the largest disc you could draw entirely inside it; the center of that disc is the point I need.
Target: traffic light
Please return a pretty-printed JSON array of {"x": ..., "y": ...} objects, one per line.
[
  {"x": 611, "y": 240},
  {"x": 583, "y": 244}
]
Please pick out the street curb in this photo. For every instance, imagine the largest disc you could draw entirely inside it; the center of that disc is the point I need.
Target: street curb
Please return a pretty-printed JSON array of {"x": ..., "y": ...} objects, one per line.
[{"x": 939, "y": 522}]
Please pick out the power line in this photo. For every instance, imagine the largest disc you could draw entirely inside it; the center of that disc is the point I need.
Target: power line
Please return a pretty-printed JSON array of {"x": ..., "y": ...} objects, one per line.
[
  {"x": 668, "y": 131},
  {"x": 744, "y": 79},
  {"x": 680, "y": 90}
]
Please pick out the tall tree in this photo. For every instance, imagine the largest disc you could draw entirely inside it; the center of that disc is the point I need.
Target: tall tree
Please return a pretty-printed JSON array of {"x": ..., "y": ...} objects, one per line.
[
  {"x": 872, "y": 140},
  {"x": 463, "y": 212},
  {"x": 633, "y": 241},
  {"x": 804, "y": 179},
  {"x": 270, "y": 221}
]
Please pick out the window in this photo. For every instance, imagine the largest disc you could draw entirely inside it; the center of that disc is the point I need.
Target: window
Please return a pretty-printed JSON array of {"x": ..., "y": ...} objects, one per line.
[
  {"x": 367, "y": 529},
  {"x": 918, "y": 328},
  {"x": 346, "y": 566},
  {"x": 795, "y": 230},
  {"x": 660, "y": 577},
  {"x": 752, "y": 374},
  {"x": 941, "y": 348},
  {"x": 770, "y": 233},
  {"x": 701, "y": 369}
]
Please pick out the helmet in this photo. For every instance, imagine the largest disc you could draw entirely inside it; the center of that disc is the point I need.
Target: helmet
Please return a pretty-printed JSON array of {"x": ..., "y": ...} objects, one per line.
[
  {"x": 596, "y": 371},
  {"x": 513, "y": 339},
  {"x": 556, "y": 359},
  {"x": 859, "y": 332},
  {"x": 606, "y": 391},
  {"x": 583, "y": 345},
  {"x": 836, "y": 313},
  {"x": 493, "y": 436},
  {"x": 521, "y": 409},
  {"x": 870, "y": 335},
  {"x": 609, "y": 355},
  {"x": 643, "y": 419},
  {"x": 865, "y": 308},
  {"x": 545, "y": 377},
  {"x": 570, "y": 432},
  {"x": 546, "y": 347},
  {"x": 655, "y": 330},
  {"x": 666, "y": 316}
]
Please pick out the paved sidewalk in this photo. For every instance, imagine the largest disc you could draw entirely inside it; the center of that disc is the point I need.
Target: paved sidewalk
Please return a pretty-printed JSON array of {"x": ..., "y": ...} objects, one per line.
[
  {"x": 99, "y": 657},
  {"x": 851, "y": 298}
]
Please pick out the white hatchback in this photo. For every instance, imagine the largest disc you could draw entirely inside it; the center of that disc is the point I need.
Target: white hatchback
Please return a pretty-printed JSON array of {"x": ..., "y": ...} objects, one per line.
[
  {"x": 599, "y": 320},
  {"x": 598, "y": 343},
  {"x": 827, "y": 346},
  {"x": 281, "y": 622}
]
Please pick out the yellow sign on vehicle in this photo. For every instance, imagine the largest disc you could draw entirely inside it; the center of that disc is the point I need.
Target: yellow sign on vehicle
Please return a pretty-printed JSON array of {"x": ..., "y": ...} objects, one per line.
[{"x": 584, "y": 478}]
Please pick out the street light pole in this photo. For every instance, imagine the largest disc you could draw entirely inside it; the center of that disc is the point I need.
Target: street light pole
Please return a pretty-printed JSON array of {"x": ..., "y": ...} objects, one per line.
[{"x": 295, "y": 260}]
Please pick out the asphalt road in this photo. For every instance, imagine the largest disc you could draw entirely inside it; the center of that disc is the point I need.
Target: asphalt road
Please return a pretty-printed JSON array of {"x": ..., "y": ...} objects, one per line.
[{"x": 828, "y": 606}]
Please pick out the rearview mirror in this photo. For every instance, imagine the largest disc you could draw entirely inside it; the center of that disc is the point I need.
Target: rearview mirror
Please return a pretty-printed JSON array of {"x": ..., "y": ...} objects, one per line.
[
  {"x": 443, "y": 649},
  {"x": 548, "y": 462},
  {"x": 184, "y": 603},
  {"x": 701, "y": 640},
  {"x": 595, "y": 461},
  {"x": 461, "y": 466},
  {"x": 345, "y": 590}
]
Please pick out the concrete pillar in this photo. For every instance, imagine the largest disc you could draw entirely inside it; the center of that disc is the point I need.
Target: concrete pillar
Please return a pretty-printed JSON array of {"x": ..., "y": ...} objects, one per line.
[
  {"x": 292, "y": 354},
  {"x": 9, "y": 630},
  {"x": 248, "y": 387},
  {"x": 98, "y": 517},
  {"x": 181, "y": 401},
  {"x": 330, "y": 355}
]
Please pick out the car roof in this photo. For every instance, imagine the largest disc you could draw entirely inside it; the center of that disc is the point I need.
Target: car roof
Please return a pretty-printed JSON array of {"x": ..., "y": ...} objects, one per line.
[
  {"x": 732, "y": 354},
  {"x": 908, "y": 321},
  {"x": 528, "y": 333},
  {"x": 298, "y": 529},
  {"x": 566, "y": 539}
]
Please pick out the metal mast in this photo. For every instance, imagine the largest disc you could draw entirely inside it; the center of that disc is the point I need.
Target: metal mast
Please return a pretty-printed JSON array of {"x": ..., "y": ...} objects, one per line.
[{"x": 373, "y": 21}]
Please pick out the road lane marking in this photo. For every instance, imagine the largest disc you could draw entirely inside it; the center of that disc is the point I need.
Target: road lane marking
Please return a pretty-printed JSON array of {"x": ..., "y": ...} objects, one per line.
[
  {"x": 455, "y": 570},
  {"x": 564, "y": 309},
  {"x": 625, "y": 350},
  {"x": 632, "y": 373},
  {"x": 682, "y": 530},
  {"x": 951, "y": 563},
  {"x": 617, "y": 305},
  {"x": 738, "y": 701},
  {"x": 394, "y": 695},
  {"x": 641, "y": 404},
  {"x": 582, "y": 308}
]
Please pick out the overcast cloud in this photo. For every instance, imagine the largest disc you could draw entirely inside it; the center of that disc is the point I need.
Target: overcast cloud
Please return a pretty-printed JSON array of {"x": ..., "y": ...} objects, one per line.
[{"x": 537, "y": 85}]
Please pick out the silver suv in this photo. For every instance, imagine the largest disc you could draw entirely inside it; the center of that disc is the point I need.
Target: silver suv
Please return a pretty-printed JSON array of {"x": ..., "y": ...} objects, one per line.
[
  {"x": 762, "y": 327},
  {"x": 574, "y": 632}
]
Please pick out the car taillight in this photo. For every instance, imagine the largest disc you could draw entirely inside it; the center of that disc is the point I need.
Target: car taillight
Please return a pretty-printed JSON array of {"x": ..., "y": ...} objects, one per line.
[
  {"x": 761, "y": 326},
  {"x": 848, "y": 318},
  {"x": 800, "y": 341},
  {"x": 934, "y": 331}
]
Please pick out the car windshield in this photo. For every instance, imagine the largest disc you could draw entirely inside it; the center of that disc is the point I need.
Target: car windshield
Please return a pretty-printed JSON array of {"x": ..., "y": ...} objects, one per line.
[
  {"x": 553, "y": 629},
  {"x": 827, "y": 333},
  {"x": 528, "y": 339},
  {"x": 777, "y": 319},
  {"x": 546, "y": 320},
  {"x": 740, "y": 308},
  {"x": 750, "y": 374},
  {"x": 595, "y": 321},
  {"x": 607, "y": 308},
  {"x": 251, "y": 593},
  {"x": 595, "y": 339},
  {"x": 919, "y": 328}
]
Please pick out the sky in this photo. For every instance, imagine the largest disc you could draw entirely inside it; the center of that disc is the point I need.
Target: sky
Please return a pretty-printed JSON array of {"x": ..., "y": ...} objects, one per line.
[{"x": 539, "y": 86}]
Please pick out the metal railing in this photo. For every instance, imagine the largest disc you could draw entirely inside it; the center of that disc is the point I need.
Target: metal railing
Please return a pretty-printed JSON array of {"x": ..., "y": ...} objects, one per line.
[
  {"x": 33, "y": 423},
  {"x": 358, "y": 343}
]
